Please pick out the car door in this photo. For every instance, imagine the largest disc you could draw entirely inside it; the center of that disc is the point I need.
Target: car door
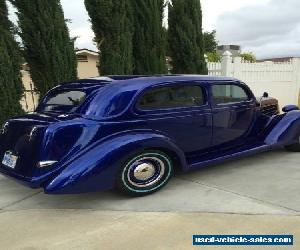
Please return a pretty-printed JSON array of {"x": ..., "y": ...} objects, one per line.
[
  {"x": 180, "y": 111},
  {"x": 233, "y": 107}
]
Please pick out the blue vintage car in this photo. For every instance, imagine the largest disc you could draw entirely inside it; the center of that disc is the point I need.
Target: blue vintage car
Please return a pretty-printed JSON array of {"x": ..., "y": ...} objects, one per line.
[{"x": 131, "y": 132}]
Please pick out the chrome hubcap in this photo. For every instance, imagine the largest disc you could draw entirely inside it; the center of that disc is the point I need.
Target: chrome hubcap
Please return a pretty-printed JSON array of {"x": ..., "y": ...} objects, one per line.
[{"x": 145, "y": 171}]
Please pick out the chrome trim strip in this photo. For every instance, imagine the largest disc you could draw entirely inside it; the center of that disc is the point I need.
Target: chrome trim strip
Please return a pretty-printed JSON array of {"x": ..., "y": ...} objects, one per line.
[{"x": 43, "y": 164}]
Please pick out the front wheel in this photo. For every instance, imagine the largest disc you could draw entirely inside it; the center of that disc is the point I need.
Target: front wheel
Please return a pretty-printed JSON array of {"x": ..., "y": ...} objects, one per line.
[{"x": 145, "y": 173}]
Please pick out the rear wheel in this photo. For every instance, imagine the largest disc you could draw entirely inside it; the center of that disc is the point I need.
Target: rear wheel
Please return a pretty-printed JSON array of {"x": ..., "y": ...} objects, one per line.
[
  {"x": 145, "y": 173},
  {"x": 294, "y": 147}
]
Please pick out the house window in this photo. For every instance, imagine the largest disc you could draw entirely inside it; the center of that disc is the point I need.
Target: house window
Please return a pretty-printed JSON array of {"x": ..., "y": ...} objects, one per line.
[
  {"x": 82, "y": 58},
  {"x": 25, "y": 67},
  {"x": 234, "y": 47}
]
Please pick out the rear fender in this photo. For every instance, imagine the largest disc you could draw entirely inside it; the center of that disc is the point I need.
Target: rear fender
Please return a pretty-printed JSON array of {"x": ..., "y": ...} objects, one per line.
[
  {"x": 286, "y": 131},
  {"x": 96, "y": 168}
]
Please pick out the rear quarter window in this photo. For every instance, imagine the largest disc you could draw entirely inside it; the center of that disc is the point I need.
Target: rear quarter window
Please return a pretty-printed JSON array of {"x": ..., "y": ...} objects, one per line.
[{"x": 171, "y": 97}]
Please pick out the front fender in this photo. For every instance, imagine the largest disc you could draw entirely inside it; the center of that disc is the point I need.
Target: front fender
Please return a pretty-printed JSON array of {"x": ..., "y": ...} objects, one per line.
[
  {"x": 286, "y": 131},
  {"x": 96, "y": 169}
]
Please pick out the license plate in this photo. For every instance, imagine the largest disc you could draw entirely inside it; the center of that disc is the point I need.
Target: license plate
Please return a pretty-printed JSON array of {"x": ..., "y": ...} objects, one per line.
[{"x": 9, "y": 160}]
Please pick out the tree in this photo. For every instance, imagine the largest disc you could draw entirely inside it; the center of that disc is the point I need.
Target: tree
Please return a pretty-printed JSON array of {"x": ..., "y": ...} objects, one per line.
[
  {"x": 48, "y": 49},
  {"x": 185, "y": 37},
  {"x": 213, "y": 57},
  {"x": 112, "y": 23},
  {"x": 149, "y": 40},
  {"x": 210, "y": 42},
  {"x": 248, "y": 56},
  {"x": 11, "y": 87}
]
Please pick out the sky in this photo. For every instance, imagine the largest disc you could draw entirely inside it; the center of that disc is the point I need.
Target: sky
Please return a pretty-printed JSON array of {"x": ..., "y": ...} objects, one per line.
[{"x": 268, "y": 28}]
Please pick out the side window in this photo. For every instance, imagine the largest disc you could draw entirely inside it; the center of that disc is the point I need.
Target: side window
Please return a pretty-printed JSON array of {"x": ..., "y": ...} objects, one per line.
[
  {"x": 228, "y": 93},
  {"x": 171, "y": 97}
]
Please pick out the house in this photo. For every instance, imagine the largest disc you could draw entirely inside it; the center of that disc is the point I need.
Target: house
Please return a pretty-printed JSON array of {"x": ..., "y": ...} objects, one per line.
[
  {"x": 87, "y": 63},
  {"x": 87, "y": 66},
  {"x": 235, "y": 50},
  {"x": 278, "y": 59}
]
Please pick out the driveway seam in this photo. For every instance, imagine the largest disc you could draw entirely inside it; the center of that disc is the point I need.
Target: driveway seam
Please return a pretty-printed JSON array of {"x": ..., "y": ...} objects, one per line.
[
  {"x": 145, "y": 211},
  {"x": 238, "y": 194}
]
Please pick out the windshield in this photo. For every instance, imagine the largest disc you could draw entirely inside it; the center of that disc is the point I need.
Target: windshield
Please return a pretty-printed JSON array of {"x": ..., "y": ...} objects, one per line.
[{"x": 63, "y": 101}]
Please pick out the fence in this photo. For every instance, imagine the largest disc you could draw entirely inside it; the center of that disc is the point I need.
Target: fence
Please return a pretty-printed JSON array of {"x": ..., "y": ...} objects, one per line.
[
  {"x": 30, "y": 97},
  {"x": 280, "y": 80}
]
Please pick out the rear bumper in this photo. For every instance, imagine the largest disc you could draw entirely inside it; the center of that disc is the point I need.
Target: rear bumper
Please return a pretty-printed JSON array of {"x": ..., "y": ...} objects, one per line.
[
  {"x": 26, "y": 181},
  {"x": 56, "y": 182},
  {"x": 32, "y": 182}
]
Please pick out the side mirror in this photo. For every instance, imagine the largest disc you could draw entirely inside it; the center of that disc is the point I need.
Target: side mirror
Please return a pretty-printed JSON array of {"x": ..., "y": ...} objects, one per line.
[
  {"x": 289, "y": 108},
  {"x": 265, "y": 94}
]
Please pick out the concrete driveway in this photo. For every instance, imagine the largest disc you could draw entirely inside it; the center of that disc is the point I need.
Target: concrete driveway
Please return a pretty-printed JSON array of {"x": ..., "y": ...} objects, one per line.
[{"x": 258, "y": 194}]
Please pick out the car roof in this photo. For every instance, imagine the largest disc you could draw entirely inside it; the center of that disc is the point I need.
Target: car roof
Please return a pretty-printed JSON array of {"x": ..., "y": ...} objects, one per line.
[
  {"x": 111, "y": 90},
  {"x": 134, "y": 82}
]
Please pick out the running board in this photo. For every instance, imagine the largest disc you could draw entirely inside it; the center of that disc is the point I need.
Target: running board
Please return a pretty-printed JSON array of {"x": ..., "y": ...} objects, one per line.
[{"x": 230, "y": 156}]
